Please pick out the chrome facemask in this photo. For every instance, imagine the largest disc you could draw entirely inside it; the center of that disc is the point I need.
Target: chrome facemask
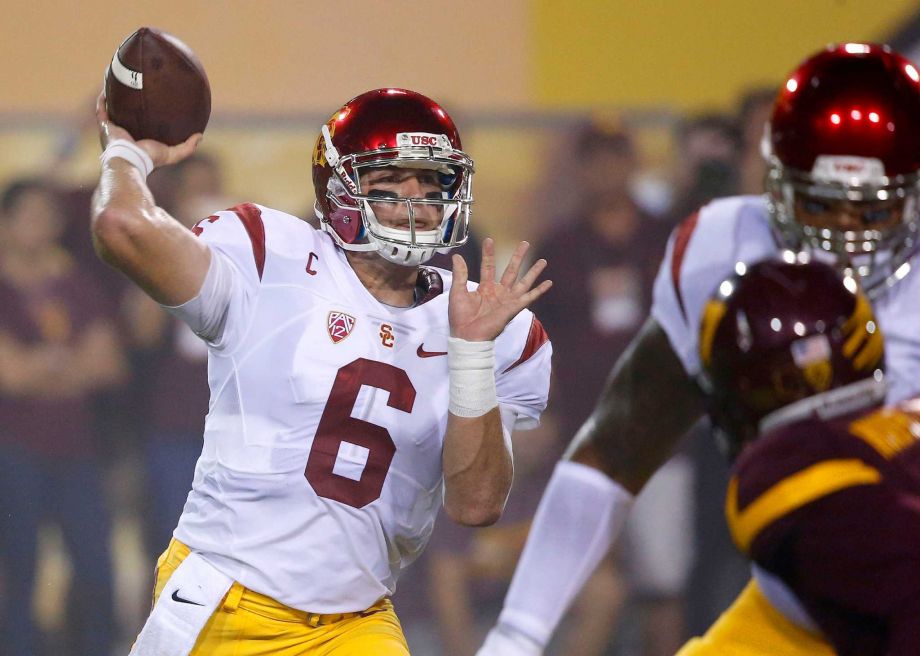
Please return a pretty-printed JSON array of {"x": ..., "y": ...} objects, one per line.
[{"x": 879, "y": 257}]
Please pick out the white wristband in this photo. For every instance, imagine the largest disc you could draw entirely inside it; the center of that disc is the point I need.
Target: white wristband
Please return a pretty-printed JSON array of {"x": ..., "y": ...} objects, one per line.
[
  {"x": 131, "y": 153},
  {"x": 471, "y": 369}
]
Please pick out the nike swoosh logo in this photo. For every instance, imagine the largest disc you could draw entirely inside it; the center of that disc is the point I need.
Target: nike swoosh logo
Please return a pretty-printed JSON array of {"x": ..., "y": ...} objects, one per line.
[
  {"x": 176, "y": 597},
  {"x": 422, "y": 353}
]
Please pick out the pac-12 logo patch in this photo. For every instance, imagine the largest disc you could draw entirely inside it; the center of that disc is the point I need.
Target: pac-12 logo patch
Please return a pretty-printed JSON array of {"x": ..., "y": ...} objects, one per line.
[{"x": 339, "y": 326}]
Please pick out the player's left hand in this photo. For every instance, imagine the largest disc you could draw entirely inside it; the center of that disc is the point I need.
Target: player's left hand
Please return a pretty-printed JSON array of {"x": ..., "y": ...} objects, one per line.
[{"x": 479, "y": 315}]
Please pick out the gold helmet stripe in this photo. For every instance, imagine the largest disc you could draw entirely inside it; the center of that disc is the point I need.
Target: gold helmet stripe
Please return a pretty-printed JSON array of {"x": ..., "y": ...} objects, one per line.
[
  {"x": 864, "y": 344},
  {"x": 712, "y": 317}
]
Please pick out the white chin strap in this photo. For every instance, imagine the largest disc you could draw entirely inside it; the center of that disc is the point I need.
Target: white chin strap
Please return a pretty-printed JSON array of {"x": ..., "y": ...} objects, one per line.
[
  {"x": 396, "y": 253},
  {"x": 387, "y": 241},
  {"x": 404, "y": 255}
]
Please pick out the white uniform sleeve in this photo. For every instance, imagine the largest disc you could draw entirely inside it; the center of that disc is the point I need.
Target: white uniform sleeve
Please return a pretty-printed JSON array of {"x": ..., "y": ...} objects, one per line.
[
  {"x": 206, "y": 314},
  {"x": 523, "y": 356},
  {"x": 702, "y": 252},
  {"x": 221, "y": 311},
  {"x": 668, "y": 304},
  {"x": 577, "y": 521}
]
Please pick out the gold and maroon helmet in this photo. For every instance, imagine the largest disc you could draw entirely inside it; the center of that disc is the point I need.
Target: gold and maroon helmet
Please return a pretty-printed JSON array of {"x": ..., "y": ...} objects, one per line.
[
  {"x": 782, "y": 332},
  {"x": 843, "y": 154},
  {"x": 391, "y": 127}
]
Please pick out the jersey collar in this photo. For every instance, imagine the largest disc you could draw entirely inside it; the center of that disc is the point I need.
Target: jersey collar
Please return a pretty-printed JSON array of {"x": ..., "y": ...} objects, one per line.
[{"x": 828, "y": 405}]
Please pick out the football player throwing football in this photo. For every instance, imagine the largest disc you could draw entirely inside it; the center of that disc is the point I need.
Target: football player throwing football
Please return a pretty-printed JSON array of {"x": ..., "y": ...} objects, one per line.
[{"x": 353, "y": 390}]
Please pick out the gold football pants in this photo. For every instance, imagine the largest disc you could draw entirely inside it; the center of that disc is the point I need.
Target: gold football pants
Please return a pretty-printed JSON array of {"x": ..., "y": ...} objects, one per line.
[
  {"x": 247, "y": 623},
  {"x": 752, "y": 627}
]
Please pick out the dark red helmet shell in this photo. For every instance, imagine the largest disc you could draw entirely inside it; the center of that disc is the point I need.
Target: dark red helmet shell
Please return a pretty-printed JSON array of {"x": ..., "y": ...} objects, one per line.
[
  {"x": 779, "y": 333},
  {"x": 852, "y": 99}
]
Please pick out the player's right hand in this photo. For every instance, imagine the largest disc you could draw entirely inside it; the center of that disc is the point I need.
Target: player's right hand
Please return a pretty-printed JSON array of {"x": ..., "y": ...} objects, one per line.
[
  {"x": 160, "y": 153},
  {"x": 505, "y": 641}
]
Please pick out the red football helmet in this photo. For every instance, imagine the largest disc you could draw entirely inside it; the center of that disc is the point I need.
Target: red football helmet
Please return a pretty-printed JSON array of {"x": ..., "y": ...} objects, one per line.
[
  {"x": 382, "y": 128},
  {"x": 843, "y": 151},
  {"x": 781, "y": 332}
]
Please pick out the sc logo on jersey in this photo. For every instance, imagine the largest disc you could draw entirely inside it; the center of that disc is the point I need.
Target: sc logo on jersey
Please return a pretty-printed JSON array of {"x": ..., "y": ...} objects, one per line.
[{"x": 387, "y": 338}]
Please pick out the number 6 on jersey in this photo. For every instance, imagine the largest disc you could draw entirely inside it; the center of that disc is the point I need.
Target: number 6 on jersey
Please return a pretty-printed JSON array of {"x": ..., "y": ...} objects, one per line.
[{"x": 337, "y": 426}]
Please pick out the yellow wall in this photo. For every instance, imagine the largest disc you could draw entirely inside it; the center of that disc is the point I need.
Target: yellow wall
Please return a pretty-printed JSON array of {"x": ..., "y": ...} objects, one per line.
[
  {"x": 688, "y": 54},
  {"x": 282, "y": 56},
  {"x": 276, "y": 55}
]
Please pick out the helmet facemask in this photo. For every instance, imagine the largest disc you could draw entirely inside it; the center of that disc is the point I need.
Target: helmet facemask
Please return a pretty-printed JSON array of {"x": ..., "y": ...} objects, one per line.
[
  {"x": 412, "y": 245},
  {"x": 878, "y": 253}
]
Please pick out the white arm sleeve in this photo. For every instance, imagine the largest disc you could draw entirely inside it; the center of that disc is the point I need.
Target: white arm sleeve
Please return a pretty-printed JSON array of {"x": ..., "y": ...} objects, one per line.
[
  {"x": 222, "y": 310},
  {"x": 206, "y": 314},
  {"x": 702, "y": 252},
  {"x": 579, "y": 517}
]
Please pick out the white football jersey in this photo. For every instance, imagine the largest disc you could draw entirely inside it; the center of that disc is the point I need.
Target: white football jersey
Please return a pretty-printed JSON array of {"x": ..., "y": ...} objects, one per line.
[
  {"x": 320, "y": 476},
  {"x": 705, "y": 249}
]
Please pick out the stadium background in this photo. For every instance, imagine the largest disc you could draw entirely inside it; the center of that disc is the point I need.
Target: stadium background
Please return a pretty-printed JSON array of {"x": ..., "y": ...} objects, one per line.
[{"x": 520, "y": 78}]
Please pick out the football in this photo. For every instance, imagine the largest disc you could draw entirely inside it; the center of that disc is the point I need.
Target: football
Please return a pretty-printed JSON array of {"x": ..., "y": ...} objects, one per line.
[{"x": 156, "y": 88}]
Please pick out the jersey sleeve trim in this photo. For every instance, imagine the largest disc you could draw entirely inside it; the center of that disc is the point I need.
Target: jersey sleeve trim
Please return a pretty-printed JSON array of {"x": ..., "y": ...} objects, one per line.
[
  {"x": 681, "y": 240},
  {"x": 887, "y": 431},
  {"x": 536, "y": 337},
  {"x": 791, "y": 493},
  {"x": 251, "y": 217}
]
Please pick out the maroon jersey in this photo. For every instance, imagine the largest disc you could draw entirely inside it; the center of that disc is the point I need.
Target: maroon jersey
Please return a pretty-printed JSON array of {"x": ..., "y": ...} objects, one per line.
[
  {"x": 59, "y": 311},
  {"x": 833, "y": 510}
]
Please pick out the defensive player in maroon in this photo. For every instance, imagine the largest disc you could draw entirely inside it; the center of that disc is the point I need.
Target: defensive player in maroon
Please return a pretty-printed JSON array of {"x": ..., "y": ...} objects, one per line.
[{"x": 825, "y": 489}]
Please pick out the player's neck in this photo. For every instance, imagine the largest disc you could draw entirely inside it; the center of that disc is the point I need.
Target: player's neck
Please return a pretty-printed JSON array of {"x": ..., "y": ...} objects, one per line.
[{"x": 389, "y": 283}]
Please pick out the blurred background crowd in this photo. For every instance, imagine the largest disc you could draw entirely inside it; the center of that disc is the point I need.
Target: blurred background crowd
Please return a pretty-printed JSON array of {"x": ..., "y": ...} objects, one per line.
[{"x": 101, "y": 413}]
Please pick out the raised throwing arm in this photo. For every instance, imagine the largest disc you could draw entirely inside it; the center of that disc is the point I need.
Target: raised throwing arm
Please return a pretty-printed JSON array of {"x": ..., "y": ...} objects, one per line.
[{"x": 130, "y": 231}]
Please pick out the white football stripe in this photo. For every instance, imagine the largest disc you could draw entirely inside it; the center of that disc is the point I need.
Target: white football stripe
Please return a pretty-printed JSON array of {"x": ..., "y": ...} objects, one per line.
[{"x": 126, "y": 76}]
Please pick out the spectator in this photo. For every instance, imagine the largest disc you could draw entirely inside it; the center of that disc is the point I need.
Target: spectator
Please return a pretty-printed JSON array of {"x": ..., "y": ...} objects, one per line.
[
  {"x": 753, "y": 114},
  {"x": 708, "y": 155},
  {"x": 606, "y": 256},
  {"x": 57, "y": 347}
]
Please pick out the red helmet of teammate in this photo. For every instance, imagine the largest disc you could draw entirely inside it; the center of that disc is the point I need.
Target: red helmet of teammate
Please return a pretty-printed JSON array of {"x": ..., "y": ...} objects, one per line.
[
  {"x": 391, "y": 127},
  {"x": 785, "y": 332},
  {"x": 843, "y": 150}
]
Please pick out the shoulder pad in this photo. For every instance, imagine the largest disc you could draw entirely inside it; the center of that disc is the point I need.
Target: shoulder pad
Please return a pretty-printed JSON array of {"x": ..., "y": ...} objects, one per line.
[{"x": 790, "y": 468}]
